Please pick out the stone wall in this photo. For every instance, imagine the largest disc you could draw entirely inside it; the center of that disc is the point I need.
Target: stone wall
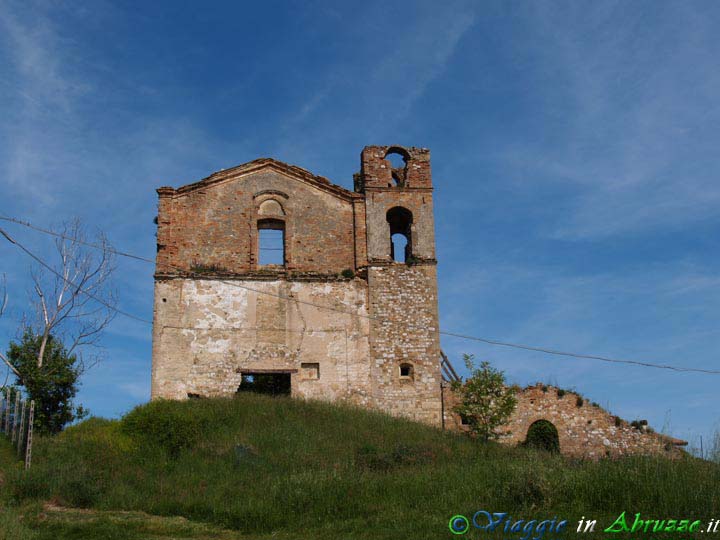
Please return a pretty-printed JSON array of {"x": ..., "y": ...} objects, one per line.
[
  {"x": 404, "y": 330},
  {"x": 207, "y": 332},
  {"x": 585, "y": 430},
  {"x": 219, "y": 313}
]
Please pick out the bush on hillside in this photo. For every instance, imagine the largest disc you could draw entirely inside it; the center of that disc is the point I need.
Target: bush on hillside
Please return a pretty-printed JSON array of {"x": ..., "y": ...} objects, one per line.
[{"x": 165, "y": 424}]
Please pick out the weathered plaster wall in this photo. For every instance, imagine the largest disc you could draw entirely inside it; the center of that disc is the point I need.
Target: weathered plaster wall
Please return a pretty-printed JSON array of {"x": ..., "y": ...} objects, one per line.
[{"x": 206, "y": 331}]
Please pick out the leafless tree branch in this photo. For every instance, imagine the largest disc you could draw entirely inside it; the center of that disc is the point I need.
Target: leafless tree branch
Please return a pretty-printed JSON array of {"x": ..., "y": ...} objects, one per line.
[
  {"x": 75, "y": 304},
  {"x": 3, "y": 305}
]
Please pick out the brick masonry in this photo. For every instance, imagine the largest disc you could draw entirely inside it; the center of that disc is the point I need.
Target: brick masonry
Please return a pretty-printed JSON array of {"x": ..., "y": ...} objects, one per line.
[
  {"x": 219, "y": 313},
  {"x": 340, "y": 314}
]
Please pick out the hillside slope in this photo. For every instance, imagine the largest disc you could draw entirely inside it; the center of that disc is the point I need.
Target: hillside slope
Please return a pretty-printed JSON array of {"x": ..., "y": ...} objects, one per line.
[{"x": 282, "y": 468}]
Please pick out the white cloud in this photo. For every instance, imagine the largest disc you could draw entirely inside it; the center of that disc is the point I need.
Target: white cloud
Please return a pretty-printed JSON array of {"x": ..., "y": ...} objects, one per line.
[{"x": 635, "y": 93}]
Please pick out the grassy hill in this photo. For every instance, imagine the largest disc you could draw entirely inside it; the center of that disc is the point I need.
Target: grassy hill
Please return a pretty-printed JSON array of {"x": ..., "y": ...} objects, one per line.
[{"x": 261, "y": 467}]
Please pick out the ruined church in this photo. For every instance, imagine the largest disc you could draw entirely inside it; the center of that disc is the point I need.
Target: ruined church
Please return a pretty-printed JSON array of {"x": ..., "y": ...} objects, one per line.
[{"x": 271, "y": 278}]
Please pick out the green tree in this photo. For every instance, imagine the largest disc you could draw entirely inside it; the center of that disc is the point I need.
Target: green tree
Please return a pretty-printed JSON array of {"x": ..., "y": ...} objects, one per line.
[
  {"x": 486, "y": 402},
  {"x": 52, "y": 385}
]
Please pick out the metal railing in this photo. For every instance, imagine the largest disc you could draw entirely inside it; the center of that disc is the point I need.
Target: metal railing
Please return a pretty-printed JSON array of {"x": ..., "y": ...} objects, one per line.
[
  {"x": 17, "y": 416},
  {"x": 448, "y": 372}
]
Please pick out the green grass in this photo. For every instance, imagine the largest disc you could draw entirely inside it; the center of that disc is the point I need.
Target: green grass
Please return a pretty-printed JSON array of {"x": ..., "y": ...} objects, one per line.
[{"x": 260, "y": 467}]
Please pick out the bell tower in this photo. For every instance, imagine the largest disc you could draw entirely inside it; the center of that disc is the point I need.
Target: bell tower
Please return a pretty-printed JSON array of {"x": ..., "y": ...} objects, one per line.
[{"x": 402, "y": 281}]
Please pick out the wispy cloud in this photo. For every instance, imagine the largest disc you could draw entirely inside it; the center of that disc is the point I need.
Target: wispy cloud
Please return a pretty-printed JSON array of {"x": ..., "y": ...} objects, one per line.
[{"x": 635, "y": 90}]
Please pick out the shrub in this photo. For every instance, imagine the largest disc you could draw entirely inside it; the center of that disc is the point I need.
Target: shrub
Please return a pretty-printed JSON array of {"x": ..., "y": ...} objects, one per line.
[
  {"x": 544, "y": 388},
  {"x": 618, "y": 421},
  {"x": 53, "y": 386},
  {"x": 543, "y": 435},
  {"x": 560, "y": 393},
  {"x": 348, "y": 273},
  {"x": 579, "y": 401},
  {"x": 485, "y": 401},
  {"x": 164, "y": 424}
]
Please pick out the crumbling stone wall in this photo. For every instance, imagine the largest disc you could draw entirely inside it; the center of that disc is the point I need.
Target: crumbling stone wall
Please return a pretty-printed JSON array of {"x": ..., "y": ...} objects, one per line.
[
  {"x": 210, "y": 331},
  {"x": 341, "y": 315},
  {"x": 219, "y": 313},
  {"x": 585, "y": 430}
]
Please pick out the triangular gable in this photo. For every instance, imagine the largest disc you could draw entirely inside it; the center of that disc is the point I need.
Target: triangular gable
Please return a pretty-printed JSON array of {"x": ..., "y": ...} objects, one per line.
[{"x": 291, "y": 171}]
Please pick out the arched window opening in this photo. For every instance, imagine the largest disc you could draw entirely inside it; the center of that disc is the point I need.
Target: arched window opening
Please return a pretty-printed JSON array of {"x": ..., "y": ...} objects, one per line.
[
  {"x": 543, "y": 435},
  {"x": 398, "y": 248},
  {"x": 398, "y": 159},
  {"x": 271, "y": 242},
  {"x": 400, "y": 221},
  {"x": 407, "y": 373}
]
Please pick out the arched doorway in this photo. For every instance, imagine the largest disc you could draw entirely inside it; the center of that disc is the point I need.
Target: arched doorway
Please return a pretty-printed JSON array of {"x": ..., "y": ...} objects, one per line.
[{"x": 543, "y": 435}]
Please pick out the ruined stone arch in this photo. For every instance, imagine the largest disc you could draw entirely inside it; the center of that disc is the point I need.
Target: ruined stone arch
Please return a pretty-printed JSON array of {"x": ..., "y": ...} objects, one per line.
[{"x": 398, "y": 170}]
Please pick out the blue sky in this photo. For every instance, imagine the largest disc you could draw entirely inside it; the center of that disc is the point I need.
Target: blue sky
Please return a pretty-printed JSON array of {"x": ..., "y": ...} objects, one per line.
[{"x": 574, "y": 152}]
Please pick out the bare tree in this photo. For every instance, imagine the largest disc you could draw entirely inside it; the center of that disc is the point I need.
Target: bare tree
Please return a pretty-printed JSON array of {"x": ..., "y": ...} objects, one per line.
[
  {"x": 3, "y": 305},
  {"x": 72, "y": 298}
]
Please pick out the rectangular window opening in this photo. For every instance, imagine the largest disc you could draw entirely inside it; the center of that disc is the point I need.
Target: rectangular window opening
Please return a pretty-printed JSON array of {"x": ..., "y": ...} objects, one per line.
[
  {"x": 310, "y": 371},
  {"x": 272, "y": 383},
  {"x": 271, "y": 243}
]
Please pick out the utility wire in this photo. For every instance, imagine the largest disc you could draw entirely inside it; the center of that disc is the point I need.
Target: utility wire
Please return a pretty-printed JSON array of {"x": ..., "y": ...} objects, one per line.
[
  {"x": 76, "y": 240},
  {"x": 578, "y": 355},
  {"x": 51, "y": 269},
  {"x": 346, "y": 312},
  {"x": 90, "y": 244}
]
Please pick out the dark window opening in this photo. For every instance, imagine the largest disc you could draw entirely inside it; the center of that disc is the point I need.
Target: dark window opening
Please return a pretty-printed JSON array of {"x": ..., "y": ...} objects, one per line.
[
  {"x": 274, "y": 384},
  {"x": 310, "y": 371},
  {"x": 464, "y": 420},
  {"x": 400, "y": 221},
  {"x": 271, "y": 242},
  {"x": 406, "y": 371}
]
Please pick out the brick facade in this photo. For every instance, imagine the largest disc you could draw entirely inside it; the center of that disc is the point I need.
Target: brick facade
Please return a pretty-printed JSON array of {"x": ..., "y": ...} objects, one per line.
[{"x": 340, "y": 315}]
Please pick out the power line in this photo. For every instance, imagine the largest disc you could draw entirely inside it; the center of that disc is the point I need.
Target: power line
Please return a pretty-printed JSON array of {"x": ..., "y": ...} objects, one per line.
[
  {"x": 109, "y": 249},
  {"x": 578, "y": 355},
  {"x": 361, "y": 315},
  {"x": 76, "y": 240},
  {"x": 51, "y": 269}
]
